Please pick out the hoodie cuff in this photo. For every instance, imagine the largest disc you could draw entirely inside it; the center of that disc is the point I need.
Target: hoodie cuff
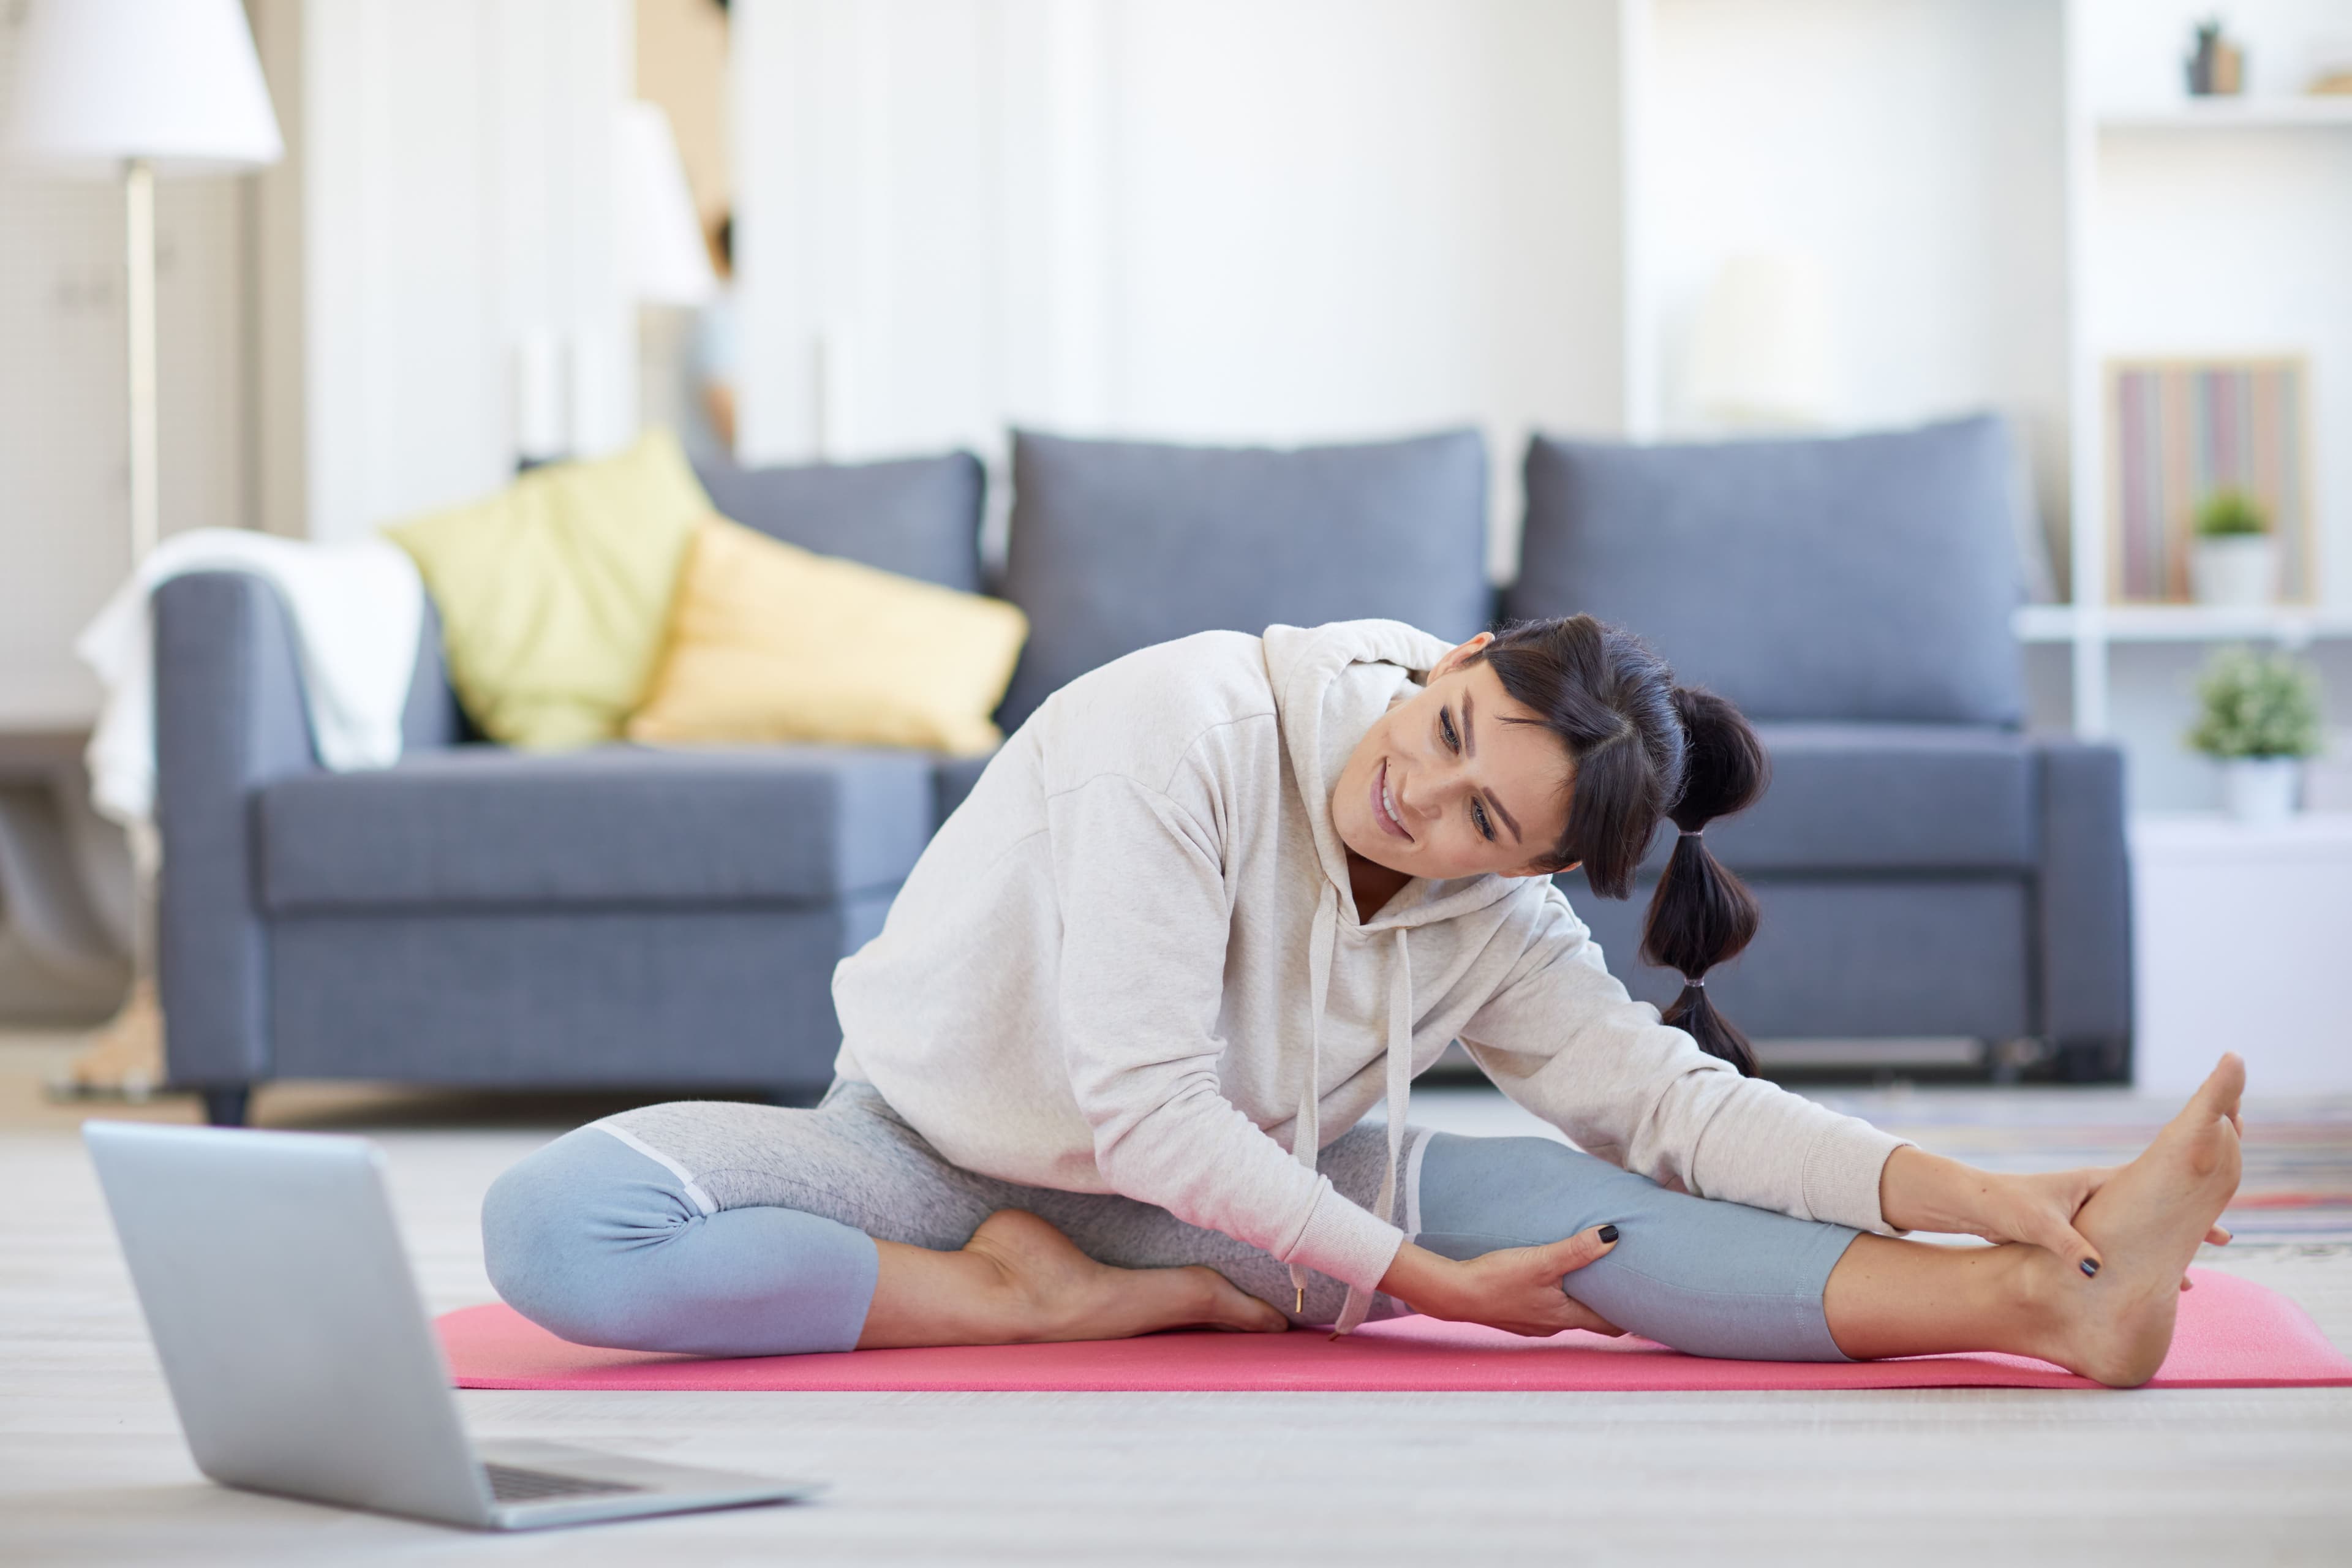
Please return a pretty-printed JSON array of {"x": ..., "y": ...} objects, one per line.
[
  {"x": 1347, "y": 1243},
  {"x": 1842, "y": 1173}
]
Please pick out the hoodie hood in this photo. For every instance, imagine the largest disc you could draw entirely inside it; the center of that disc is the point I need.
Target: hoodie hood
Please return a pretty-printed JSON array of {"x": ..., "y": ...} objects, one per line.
[{"x": 1331, "y": 683}]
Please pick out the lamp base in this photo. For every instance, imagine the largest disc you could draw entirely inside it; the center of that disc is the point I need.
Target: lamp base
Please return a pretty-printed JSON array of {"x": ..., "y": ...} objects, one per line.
[{"x": 124, "y": 1058}]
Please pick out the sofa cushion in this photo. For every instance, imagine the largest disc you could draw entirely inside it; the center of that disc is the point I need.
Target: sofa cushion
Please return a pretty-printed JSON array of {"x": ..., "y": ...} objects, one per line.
[
  {"x": 553, "y": 593},
  {"x": 614, "y": 826},
  {"x": 772, "y": 643},
  {"x": 1119, "y": 544},
  {"x": 1882, "y": 798},
  {"x": 918, "y": 517},
  {"x": 1870, "y": 577}
]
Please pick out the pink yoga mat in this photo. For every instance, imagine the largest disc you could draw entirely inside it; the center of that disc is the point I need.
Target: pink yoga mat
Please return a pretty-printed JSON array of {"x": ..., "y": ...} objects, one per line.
[{"x": 2232, "y": 1334}]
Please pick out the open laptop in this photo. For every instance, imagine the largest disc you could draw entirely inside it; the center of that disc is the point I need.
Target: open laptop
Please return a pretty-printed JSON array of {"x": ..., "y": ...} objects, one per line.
[{"x": 299, "y": 1353}]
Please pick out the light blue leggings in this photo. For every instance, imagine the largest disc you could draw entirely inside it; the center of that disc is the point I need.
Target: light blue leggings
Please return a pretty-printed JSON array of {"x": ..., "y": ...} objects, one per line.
[{"x": 723, "y": 1229}]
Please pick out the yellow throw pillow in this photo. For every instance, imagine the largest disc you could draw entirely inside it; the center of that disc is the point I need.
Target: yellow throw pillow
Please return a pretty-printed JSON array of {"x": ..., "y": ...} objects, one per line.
[
  {"x": 771, "y": 642},
  {"x": 555, "y": 592}
]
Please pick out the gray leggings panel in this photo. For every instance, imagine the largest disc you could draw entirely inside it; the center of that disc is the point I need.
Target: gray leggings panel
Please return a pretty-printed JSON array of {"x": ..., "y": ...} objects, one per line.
[{"x": 732, "y": 1230}]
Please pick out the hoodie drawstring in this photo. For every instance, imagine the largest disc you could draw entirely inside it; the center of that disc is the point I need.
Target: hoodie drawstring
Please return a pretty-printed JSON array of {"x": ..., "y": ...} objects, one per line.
[{"x": 1307, "y": 1142}]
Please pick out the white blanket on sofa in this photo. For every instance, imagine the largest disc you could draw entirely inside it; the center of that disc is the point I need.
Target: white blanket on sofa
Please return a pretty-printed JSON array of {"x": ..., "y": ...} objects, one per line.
[{"x": 357, "y": 610}]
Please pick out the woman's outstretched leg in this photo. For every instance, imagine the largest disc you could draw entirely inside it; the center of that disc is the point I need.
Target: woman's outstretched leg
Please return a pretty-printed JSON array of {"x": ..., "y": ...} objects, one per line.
[
  {"x": 1890, "y": 1298},
  {"x": 1723, "y": 1279}
]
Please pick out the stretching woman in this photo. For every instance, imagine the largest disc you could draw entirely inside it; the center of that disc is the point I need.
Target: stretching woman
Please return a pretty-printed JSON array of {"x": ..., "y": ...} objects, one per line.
[{"x": 1102, "y": 1069}]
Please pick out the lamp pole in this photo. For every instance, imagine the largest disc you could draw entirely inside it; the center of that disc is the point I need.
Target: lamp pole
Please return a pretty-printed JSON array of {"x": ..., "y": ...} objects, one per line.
[{"x": 139, "y": 295}]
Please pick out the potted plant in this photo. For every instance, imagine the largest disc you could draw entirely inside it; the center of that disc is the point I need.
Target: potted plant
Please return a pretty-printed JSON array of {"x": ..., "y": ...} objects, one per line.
[
  {"x": 2261, "y": 719},
  {"x": 2235, "y": 562}
]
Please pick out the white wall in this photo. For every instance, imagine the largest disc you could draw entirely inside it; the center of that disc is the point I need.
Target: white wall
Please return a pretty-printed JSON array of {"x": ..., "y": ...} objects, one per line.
[
  {"x": 1216, "y": 221},
  {"x": 456, "y": 202},
  {"x": 64, "y": 463},
  {"x": 1913, "y": 150}
]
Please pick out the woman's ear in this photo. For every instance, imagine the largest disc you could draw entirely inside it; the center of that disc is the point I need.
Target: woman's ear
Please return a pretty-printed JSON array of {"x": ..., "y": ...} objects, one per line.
[
  {"x": 1457, "y": 657},
  {"x": 1555, "y": 871}
]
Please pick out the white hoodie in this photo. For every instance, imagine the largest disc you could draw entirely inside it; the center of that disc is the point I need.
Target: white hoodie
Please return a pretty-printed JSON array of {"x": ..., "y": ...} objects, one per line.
[{"x": 1130, "y": 962}]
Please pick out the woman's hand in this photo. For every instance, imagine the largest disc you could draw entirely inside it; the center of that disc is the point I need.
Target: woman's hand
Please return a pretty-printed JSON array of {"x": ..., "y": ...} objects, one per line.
[
  {"x": 1918, "y": 1190},
  {"x": 1517, "y": 1289}
]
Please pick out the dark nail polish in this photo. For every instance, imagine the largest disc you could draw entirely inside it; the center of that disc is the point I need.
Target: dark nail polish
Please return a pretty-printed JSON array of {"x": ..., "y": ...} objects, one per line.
[
  {"x": 1608, "y": 1233},
  {"x": 2090, "y": 1268}
]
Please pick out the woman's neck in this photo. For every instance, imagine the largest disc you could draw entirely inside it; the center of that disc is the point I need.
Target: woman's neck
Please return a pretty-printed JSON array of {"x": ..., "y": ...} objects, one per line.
[{"x": 1372, "y": 885}]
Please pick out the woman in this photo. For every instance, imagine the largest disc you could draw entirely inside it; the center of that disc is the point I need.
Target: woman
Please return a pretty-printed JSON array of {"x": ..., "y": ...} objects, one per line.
[{"x": 1103, "y": 1068}]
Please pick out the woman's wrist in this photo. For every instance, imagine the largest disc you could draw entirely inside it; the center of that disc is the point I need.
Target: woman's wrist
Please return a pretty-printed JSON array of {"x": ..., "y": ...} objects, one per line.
[
  {"x": 1919, "y": 1191},
  {"x": 1420, "y": 1278}
]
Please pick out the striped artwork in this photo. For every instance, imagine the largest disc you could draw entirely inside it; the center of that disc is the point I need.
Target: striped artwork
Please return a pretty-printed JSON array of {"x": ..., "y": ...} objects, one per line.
[{"x": 2180, "y": 430}]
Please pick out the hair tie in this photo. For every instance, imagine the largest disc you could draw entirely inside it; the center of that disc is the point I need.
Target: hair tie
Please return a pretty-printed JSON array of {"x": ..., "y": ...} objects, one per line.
[
  {"x": 1694, "y": 980},
  {"x": 1693, "y": 832}
]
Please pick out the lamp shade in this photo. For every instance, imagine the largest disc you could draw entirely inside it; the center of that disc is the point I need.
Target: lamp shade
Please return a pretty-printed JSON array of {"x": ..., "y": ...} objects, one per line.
[
  {"x": 662, "y": 239},
  {"x": 176, "y": 82}
]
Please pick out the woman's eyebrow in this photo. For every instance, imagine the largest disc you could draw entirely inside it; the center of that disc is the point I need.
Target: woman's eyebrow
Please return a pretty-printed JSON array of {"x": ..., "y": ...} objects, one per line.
[{"x": 1470, "y": 749}]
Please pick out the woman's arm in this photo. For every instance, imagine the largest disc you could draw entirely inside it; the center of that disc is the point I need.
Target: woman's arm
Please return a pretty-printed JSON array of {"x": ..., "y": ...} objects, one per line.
[
  {"x": 1562, "y": 1038},
  {"x": 1144, "y": 925},
  {"x": 1517, "y": 1289}
]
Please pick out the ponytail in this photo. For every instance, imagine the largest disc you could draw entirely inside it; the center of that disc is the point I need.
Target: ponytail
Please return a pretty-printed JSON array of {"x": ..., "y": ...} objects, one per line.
[
  {"x": 1701, "y": 915},
  {"x": 1643, "y": 748}
]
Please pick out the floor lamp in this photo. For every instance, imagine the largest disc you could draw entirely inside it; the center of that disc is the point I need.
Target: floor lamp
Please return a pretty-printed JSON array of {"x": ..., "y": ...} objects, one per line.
[{"x": 132, "y": 88}]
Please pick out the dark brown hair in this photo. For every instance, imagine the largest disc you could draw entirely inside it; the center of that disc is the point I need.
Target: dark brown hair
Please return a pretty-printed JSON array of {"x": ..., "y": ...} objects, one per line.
[{"x": 1643, "y": 750}]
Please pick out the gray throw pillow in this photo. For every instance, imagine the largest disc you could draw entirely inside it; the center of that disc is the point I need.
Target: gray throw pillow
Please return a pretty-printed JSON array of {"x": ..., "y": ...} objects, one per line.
[
  {"x": 1865, "y": 577},
  {"x": 918, "y": 517},
  {"x": 1117, "y": 546}
]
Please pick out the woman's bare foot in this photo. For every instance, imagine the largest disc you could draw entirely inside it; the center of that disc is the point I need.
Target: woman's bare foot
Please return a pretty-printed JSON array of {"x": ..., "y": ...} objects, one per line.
[
  {"x": 2146, "y": 1223},
  {"x": 1019, "y": 1281}
]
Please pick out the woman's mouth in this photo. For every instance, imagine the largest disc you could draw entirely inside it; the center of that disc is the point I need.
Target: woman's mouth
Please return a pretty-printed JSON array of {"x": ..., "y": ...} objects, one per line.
[{"x": 1384, "y": 809}]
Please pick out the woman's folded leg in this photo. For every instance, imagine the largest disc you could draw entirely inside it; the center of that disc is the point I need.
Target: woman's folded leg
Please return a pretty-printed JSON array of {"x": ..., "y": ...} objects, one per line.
[{"x": 606, "y": 1243}]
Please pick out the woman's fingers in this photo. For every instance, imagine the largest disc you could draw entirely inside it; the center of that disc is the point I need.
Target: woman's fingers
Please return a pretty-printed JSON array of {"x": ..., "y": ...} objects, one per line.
[
  {"x": 2068, "y": 1243},
  {"x": 2218, "y": 1237},
  {"x": 1566, "y": 1257},
  {"x": 1583, "y": 1317}
]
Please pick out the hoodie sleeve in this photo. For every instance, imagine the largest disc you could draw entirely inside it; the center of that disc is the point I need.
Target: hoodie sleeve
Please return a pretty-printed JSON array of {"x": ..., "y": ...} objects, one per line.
[
  {"x": 1563, "y": 1038},
  {"x": 1142, "y": 899}
]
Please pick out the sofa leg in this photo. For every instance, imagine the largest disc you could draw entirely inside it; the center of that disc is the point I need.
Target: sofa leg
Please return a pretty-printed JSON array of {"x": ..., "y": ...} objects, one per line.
[
  {"x": 2093, "y": 1061},
  {"x": 226, "y": 1104}
]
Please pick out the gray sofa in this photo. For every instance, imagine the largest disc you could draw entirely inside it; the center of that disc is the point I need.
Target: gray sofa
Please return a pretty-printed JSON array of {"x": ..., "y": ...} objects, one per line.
[
  {"x": 666, "y": 920},
  {"x": 1925, "y": 869}
]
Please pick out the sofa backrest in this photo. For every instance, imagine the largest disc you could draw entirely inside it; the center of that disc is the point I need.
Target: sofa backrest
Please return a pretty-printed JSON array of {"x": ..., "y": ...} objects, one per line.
[
  {"x": 1117, "y": 546},
  {"x": 918, "y": 517},
  {"x": 1867, "y": 577}
]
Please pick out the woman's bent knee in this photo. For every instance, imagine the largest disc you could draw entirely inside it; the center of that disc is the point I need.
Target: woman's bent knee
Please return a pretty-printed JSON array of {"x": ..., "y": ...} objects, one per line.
[{"x": 559, "y": 1230}]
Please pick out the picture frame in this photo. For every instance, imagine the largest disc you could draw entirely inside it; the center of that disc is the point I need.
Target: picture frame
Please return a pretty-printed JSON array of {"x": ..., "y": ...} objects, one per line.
[{"x": 2181, "y": 428}]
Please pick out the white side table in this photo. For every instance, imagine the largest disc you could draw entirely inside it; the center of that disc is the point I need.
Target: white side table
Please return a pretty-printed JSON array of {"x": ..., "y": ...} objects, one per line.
[{"x": 2241, "y": 940}]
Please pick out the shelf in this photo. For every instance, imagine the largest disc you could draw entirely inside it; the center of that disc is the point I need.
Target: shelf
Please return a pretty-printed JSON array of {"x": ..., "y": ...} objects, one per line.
[
  {"x": 2290, "y": 623},
  {"x": 2232, "y": 114}
]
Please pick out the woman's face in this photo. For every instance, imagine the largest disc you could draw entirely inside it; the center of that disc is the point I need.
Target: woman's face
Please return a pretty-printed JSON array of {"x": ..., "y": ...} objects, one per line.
[{"x": 1444, "y": 785}]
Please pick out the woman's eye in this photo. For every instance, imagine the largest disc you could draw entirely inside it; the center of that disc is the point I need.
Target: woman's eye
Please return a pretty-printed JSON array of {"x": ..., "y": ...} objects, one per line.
[
  {"x": 1479, "y": 816},
  {"x": 1445, "y": 728}
]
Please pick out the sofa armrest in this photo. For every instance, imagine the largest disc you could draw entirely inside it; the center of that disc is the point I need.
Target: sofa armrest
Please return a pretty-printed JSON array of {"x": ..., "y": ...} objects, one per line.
[
  {"x": 229, "y": 717},
  {"x": 2085, "y": 888}
]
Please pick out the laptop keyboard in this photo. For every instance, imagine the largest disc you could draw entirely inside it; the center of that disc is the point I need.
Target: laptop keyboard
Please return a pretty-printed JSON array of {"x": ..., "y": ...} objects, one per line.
[{"x": 511, "y": 1484}]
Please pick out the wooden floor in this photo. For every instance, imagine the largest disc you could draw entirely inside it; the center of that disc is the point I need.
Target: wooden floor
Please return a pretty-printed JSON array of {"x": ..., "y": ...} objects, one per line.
[{"x": 92, "y": 1468}]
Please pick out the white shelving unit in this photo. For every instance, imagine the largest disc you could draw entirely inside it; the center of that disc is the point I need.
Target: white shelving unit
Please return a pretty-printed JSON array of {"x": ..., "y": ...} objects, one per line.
[{"x": 2194, "y": 228}]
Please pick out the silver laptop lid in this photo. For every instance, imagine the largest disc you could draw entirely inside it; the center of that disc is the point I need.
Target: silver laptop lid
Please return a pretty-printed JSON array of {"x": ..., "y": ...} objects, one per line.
[{"x": 289, "y": 1328}]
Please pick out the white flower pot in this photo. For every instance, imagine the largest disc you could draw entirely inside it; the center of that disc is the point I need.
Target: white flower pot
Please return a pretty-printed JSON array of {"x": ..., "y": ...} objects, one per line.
[
  {"x": 2260, "y": 789},
  {"x": 2239, "y": 570}
]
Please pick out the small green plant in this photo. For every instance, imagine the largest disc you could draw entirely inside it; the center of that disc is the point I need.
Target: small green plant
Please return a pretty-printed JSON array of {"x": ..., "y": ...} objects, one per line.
[
  {"x": 2257, "y": 705},
  {"x": 2231, "y": 514}
]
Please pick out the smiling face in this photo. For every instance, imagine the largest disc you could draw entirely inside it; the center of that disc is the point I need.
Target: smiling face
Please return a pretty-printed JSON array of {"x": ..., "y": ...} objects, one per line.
[{"x": 1445, "y": 785}]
